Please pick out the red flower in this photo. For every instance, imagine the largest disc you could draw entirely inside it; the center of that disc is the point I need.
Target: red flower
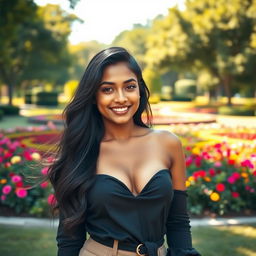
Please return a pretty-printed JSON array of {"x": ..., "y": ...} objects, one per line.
[
  {"x": 212, "y": 172},
  {"x": 199, "y": 174},
  {"x": 231, "y": 161},
  {"x": 235, "y": 194},
  {"x": 220, "y": 187},
  {"x": 19, "y": 184}
]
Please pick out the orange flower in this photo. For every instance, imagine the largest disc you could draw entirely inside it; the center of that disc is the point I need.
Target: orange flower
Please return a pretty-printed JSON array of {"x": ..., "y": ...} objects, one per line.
[
  {"x": 207, "y": 179},
  {"x": 214, "y": 196},
  {"x": 3, "y": 181},
  {"x": 244, "y": 175}
]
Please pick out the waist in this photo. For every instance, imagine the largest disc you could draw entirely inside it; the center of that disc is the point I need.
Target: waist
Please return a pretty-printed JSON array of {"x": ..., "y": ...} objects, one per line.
[{"x": 142, "y": 246}]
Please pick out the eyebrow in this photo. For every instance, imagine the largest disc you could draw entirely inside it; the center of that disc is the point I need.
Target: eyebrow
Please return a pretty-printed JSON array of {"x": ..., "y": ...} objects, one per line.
[{"x": 125, "y": 82}]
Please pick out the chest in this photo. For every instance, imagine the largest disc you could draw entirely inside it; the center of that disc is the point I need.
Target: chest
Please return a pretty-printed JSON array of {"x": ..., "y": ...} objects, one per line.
[{"x": 133, "y": 164}]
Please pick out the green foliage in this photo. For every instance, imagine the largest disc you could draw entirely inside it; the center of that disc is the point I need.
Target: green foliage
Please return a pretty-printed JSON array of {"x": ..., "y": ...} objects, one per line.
[
  {"x": 9, "y": 110},
  {"x": 135, "y": 41},
  {"x": 218, "y": 37},
  {"x": 153, "y": 80},
  {"x": 1, "y": 114},
  {"x": 33, "y": 43},
  {"x": 81, "y": 54},
  {"x": 46, "y": 98},
  {"x": 237, "y": 110},
  {"x": 185, "y": 88}
]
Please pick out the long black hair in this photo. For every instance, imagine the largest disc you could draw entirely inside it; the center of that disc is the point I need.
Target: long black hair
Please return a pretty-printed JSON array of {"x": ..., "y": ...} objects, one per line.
[{"x": 73, "y": 171}]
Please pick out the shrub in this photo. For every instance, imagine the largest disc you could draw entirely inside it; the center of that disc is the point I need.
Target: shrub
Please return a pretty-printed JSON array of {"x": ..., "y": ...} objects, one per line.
[
  {"x": 47, "y": 98},
  {"x": 9, "y": 110}
]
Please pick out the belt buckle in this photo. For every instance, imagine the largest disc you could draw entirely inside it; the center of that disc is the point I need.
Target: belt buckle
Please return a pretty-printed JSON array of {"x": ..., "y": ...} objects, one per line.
[{"x": 138, "y": 249}]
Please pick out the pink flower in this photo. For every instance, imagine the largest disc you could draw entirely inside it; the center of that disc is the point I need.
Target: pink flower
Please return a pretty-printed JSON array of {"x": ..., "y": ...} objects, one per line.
[
  {"x": 220, "y": 187},
  {"x": 231, "y": 180},
  {"x": 235, "y": 194},
  {"x": 44, "y": 184},
  {"x": 217, "y": 164},
  {"x": 51, "y": 199},
  {"x": 247, "y": 163},
  {"x": 20, "y": 192},
  {"x": 16, "y": 178},
  {"x": 236, "y": 175},
  {"x": 27, "y": 156},
  {"x": 6, "y": 189},
  {"x": 3, "y": 197},
  {"x": 44, "y": 171}
]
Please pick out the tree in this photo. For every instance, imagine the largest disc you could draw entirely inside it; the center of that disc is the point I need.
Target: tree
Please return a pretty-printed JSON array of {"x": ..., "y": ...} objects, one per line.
[
  {"x": 216, "y": 36},
  {"x": 29, "y": 48},
  {"x": 80, "y": 57},
  {"x": 135, "y": 41}
]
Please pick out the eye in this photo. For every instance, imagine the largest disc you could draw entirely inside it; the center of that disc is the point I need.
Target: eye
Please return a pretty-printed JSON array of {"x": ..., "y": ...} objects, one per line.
[
  {"x": 132, "y": 86},
  {"x": 106, "y": 89}
]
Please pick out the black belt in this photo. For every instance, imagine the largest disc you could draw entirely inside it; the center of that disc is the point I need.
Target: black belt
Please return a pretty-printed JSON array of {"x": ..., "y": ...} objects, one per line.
[{"x": 146, "y": 247}]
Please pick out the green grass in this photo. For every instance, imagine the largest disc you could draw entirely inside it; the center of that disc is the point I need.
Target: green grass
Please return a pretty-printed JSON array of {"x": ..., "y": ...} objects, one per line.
[{"x": 209, "y": 241}]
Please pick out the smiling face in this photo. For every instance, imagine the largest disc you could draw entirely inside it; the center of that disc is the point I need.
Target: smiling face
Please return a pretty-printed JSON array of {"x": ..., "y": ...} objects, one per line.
[{"x": 118, "y": 96}]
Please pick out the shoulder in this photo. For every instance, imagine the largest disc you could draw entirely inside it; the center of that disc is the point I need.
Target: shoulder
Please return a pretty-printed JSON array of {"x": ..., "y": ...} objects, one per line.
[{"x": 167, "y": 138}]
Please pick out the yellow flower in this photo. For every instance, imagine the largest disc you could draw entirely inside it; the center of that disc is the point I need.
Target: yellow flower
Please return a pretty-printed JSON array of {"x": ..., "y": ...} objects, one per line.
[
  {"x": 3, "y": 181},
  {"x": 233, "y": 157},
  {"x": 187, "y": 183},
  {"x": 36, "y": 156},
  {"x": 214, "y": 196},
  {"x": 207, "y": 179},
  {"x": 15, "y": 159},
  {"x": 191, "y": 178},
  {"x": 244, "y": 175},
  {"x": 196, "y": 151}
]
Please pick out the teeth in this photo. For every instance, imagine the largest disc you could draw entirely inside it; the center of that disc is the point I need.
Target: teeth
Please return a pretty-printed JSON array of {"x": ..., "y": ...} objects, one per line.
[{"x": 120, "y": 109}]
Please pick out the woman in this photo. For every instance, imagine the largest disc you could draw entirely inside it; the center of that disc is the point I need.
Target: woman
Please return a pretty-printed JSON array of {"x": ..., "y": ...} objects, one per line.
[{"x": 115, "y": 177}]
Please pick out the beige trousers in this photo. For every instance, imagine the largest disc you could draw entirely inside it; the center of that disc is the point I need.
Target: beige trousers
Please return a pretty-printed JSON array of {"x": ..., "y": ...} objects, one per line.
[{"x": 93, "y": 248}]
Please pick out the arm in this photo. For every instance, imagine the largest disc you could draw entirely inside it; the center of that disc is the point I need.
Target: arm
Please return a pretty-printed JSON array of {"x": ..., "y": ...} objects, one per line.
[
  {"x": 178, "y": 231},
  {"x": 67, "y": 245}
]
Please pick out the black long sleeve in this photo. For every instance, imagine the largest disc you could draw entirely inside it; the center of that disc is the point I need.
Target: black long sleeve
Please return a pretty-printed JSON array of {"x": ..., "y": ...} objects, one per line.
[
  {"x": 67, "y": 245},
  {"x": 178, "y": 231}
]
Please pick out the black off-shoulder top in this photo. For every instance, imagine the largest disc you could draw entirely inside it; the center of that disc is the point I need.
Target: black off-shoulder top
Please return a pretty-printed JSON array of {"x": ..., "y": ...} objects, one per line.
[{"x": 113, "y": 212}]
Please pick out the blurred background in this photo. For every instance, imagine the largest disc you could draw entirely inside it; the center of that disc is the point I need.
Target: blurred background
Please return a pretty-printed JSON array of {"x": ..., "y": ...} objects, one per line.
[{"x": 199, "y": 61}]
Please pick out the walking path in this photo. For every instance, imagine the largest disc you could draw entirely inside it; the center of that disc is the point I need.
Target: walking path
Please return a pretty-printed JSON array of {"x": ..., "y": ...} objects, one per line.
[{"x": 53, "y": 223}]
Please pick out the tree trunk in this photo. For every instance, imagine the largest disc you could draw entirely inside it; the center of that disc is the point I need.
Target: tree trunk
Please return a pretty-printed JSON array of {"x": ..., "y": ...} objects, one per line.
[
  {"x": 8, "y": 79},
  {"x": 212, "y": 95},
  {"x": 226, "y": 80}
]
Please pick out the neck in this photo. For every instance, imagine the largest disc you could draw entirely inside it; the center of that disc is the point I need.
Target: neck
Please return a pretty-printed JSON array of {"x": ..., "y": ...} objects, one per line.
[{"x": 119, "y": 132}]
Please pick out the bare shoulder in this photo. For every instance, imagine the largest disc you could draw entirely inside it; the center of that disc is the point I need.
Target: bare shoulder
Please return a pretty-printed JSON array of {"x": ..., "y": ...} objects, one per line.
[{"x": 167, "y": 138}]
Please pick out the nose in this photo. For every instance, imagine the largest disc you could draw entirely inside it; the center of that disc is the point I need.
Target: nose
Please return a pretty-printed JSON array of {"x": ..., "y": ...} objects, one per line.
[{"x": 120, "y": 96}]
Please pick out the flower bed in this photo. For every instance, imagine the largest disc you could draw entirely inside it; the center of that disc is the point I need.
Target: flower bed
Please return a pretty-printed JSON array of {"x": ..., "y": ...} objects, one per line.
[
  {"x": 221, "y": 168},
  {"x": 16, "y": 193}
]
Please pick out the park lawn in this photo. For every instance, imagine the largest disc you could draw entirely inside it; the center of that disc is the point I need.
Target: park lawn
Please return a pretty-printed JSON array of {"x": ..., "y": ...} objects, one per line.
[{"x": 210, "y": 241}]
